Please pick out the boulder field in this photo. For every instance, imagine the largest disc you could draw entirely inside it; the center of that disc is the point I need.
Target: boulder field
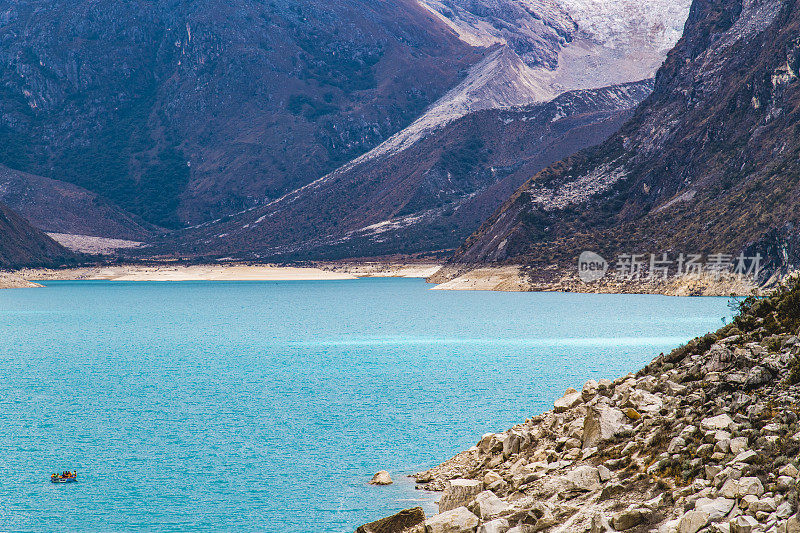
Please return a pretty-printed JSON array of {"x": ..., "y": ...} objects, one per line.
[{"x": 704, "y": 439}]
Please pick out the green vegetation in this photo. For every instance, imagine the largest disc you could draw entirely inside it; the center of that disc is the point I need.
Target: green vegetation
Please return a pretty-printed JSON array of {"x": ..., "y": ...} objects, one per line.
[
  {"x": 310, "y": 108},
  {"x": 464, "y": 158}
]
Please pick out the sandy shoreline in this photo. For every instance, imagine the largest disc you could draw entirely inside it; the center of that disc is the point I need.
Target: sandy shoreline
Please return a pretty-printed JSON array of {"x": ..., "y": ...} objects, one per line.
[{"x": 233, "y": 272}]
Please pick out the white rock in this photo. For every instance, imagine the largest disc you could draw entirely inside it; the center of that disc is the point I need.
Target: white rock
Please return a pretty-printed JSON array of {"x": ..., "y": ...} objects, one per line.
[
  {"x": 715, "y": 423},
  {"x": 747, "y": 456},
  {"x": 743, "y": 524},
  {"x": 738, "y": 445},
  {"x": 570, "y": 399},
  {"x": 459, "y": 492},
  {"x": 458, "y": 520},
  {"x": 381, "y": 478},
  {"x": 692, "y": 522},
  {"x": 784, "y": 510},
  {"x": 487, "y": 505},
  {"x": 491, "y": 477},
  {"x": 793, "y": 524},
  {"x": 675, "y": 388},
  {"x": 604, "y": 473},
  {"x": 498, "y": 525},
  {"x": 585, "y": 478},
  {"x": 601, "y": 423},
  {"x": 788, "y": 470},
  {"x": 644, "y": 401},
  {"x": 716, "y": 508},
  {"x": 750, "y": 485}
]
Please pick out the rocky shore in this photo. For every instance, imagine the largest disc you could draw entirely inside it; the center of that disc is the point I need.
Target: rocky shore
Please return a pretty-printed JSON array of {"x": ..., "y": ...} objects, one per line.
[
  {"x": 10, "y": 280},
  {"x": 704, "y": 439},
  {"x": 516, "y": 278}
]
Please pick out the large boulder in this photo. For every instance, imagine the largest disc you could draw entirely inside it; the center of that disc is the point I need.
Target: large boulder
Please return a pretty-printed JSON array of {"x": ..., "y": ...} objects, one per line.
[
  {"x": 407, "y": 521},
  {"x": 693, "y": 521},
  {"x": 644, "y": 402},
  {"x": 629, "y": 518},
  {"x": 570, "y": 399},
  {"x": 498, "y": 525},
  {"x": 584, "y": 478},
  {"x": 716, "y": 508},
  {"x": 716, "y": 423},
  {"x": 458, "y": 520},
  {"x": 458, "y": 493},
  {"x": 381, "y": 478},
  {"x": 744, "y": 524},
  {"x": 601, "y": 423},
  {"x": 487, "y": 505}
]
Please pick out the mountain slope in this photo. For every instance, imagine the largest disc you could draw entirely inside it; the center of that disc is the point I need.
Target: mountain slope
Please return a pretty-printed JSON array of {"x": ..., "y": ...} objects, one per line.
[
  {"x": 708, "y": 164},
  {"x": 181, "y": 111},
  {"x": 419, "y": 196},
  {"x": 21, "y": 245},
  {"x": 59, "y": 207}
]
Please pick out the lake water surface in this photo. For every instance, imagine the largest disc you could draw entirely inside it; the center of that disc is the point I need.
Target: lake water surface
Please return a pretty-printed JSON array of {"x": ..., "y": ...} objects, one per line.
[{"x": 267, "y": 406}]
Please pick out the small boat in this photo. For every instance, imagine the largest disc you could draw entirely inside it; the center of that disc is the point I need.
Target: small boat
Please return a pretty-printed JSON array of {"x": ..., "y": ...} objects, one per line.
[{"x": 66, "y": 477}]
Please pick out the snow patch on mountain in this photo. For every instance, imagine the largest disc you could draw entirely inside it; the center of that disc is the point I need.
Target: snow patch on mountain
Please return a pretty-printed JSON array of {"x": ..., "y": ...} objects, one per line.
[{"x": 575, "y": 44}]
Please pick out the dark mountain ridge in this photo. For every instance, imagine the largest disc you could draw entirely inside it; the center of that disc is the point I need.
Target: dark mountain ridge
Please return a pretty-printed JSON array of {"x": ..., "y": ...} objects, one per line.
[
  {"x": 425, "y": 197},
  {"x": 180, "y": 111},
  {"x": 21, "y": 245},
  {"x": 707, "y": 164}
]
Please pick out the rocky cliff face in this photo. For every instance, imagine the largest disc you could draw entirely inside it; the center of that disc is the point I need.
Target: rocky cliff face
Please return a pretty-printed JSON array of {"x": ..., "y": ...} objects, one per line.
[
  {"x": 706, "y": 165},
  {"x": 423, "y": 190},
  {"x": 181, "y": 111},
  {"x": 704, "y": 439},
  {"x": 21, "y": 245}
]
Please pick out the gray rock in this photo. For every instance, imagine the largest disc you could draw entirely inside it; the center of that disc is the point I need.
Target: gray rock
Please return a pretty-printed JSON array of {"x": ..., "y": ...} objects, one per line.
[
  {"x": 458, "y": 520},
  {"x": 459, "y": 492},
  {"x": 716, "y": 508},
  {"x": 604, "y": 473},
  {"x": 747, "y": 456},
  {"x": 408, "y": 521},
  {"x": 381, "y": 478},
  {"x": 743, "y": 524},
  {"x": 693, "y": 521},
  {"x": 716, "y": 423},
  {"x": 629, "y": 518},
  {"x": 487, "y": 505},
  {"x": 570, "y": 399},
  {"x": 498, "y": 525},
  {"x": 757, "y": 376},
  {"x": 793, "y": 524},
  {"x": 601, "y": 423},
  {"x": 600, "y": 524},
  {"x": 584, "y": 478}
]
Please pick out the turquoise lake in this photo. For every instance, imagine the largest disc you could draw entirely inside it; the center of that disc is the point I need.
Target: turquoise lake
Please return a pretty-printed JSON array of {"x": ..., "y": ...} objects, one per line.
[{"x": 267, "y": 406}]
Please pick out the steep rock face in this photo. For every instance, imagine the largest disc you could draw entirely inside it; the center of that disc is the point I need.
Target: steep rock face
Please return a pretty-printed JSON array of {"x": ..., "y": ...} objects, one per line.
[
  {"x": 21, "y": 245},
  {"x": 181, "y": 111},
  {"x": 572, "y": 44},
  {"x": 708, "y": 164},
  {"x": 418, "y": 196},
  {"x": 60, "y": 207}
]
